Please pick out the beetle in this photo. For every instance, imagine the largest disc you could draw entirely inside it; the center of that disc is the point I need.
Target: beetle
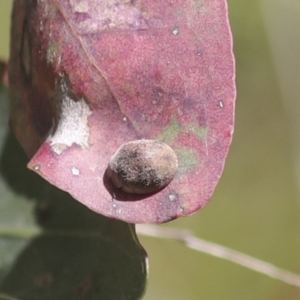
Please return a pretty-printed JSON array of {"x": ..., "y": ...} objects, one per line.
[{"x": 143, "y": 166}]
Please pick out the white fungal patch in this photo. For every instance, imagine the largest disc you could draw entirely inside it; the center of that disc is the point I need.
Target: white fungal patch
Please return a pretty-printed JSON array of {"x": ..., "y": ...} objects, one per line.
[
  {"x": 80, "y": 6},
  {"x": 107, "y": 14},
  {"x": 37, "y": 167},
  {"x": 75, "y": 171},
  {"x": 221, "y": 104},
  {"x": 72, "y": 127}
]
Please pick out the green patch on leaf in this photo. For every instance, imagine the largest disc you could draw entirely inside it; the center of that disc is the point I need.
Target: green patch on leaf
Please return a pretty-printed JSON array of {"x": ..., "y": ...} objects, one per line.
[
  {"x": 200, "y": 132},
  {"x": 173, "y": 130},
  {"x": 170, "y": 132},
  {"x": 52, "y": 52},
  {"x": 187, "y": 159}
]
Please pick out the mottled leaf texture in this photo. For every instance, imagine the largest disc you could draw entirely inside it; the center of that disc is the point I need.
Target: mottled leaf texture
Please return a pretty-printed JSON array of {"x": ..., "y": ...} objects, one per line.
[
  {"x": 87, "y": 76},
  {"x": 53, "y": 248}
]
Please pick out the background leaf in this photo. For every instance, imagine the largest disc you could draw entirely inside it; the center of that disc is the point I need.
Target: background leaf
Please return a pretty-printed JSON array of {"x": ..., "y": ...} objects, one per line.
[{"x": 54, "y": 248}]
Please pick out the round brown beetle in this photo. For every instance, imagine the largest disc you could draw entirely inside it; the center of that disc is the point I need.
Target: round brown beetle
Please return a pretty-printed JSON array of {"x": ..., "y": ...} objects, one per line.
[{"x": 143, "y": 166}]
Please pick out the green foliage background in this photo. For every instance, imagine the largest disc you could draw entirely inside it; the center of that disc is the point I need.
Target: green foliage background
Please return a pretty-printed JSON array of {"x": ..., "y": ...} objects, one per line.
[{"x": 255, "y": 208}]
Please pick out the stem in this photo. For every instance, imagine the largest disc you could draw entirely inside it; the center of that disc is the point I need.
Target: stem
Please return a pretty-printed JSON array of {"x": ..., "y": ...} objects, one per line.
[
  {"x": 7, "y": 297},
  {"x": 220, "y": 251}
]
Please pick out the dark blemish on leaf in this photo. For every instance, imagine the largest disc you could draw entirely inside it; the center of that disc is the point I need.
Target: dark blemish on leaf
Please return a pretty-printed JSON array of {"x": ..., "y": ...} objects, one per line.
[
  {"x": 157, "y": 96},
  {"x": 190, "y": 104},
  {"x": 169, "y": 219},
  {"x": 81, "y": 17},
  {"x": 142, "y": 166},
  {"x": 202, "y": 118},
  {"x": 42, "y": 212}
]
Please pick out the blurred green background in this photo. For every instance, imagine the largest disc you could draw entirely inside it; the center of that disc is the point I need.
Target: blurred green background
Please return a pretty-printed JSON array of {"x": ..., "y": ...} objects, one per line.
[{"x": 256, "y": 206}]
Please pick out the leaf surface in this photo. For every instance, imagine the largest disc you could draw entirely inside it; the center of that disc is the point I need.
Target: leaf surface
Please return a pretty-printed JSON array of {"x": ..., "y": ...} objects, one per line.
[{"x": 88, "y": 76}]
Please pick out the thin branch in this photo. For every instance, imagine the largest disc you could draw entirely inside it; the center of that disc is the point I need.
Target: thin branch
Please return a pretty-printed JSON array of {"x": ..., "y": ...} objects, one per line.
[
  {"x": 7, "y": 297},
  {"x": 220, "y": 251}
]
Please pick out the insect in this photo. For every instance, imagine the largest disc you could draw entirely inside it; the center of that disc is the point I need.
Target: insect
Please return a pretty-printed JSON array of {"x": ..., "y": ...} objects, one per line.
[{"x": 143, "y": 166}]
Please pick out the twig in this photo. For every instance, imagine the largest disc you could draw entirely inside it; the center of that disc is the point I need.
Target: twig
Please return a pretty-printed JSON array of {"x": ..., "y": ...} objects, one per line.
[
  {"x": 220, "y": 251},
  {"x": 7, "y": 297}
]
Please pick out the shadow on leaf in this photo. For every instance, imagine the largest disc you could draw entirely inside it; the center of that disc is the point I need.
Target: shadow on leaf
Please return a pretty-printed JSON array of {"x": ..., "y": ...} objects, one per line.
[{"x": 78, "y": 255}]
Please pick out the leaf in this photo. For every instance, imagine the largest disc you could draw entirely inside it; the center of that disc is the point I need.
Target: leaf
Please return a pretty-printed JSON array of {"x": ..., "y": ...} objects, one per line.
[
  {"x": 52, "y": 247},
  {"x": 3, "y": 72},
  {"x": 88, "y": 76}
]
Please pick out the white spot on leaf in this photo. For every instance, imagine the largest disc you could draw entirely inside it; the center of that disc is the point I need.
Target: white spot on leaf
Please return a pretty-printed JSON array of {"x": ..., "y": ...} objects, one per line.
[
  {"x": 72, "y": 127},
  {"x": 75, "y": 171},
  {"x": 37, "y": 167},
  {"x": 175, "y": 31},
  {"x": 172, "y": 197}
]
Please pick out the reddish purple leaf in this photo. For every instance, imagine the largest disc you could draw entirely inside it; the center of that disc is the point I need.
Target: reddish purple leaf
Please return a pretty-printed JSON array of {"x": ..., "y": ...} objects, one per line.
[{"x": 87, "y": 76}]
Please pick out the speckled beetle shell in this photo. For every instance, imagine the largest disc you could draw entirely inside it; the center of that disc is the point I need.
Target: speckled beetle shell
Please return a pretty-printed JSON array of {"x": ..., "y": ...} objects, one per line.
[{"x": 143, "y": 166}]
